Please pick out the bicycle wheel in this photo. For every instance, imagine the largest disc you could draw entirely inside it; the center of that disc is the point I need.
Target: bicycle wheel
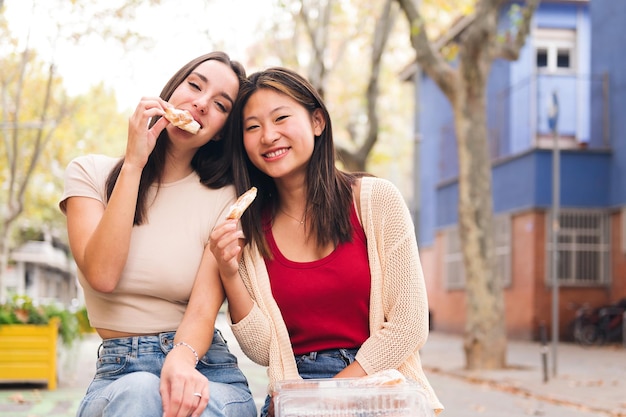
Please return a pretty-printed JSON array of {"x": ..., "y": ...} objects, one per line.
[{"x": 587, "y": 334}]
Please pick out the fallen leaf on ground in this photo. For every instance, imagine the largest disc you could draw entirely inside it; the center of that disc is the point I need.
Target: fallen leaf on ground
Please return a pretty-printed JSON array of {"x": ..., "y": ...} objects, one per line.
[{"x": 17, "y": 398}]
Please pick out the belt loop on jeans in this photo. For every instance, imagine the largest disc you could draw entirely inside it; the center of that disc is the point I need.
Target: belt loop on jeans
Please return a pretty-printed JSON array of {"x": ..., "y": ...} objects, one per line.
[
  {"x": 135, "y": 347},
  {"x": 345, "y": 355},
  {"x": 165, "y": 340},
  {"x": 99, "y": 351}
]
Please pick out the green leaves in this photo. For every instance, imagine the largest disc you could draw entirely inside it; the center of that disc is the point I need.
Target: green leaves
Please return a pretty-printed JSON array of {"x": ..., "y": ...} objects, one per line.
[{"x": 21, "y": 309}]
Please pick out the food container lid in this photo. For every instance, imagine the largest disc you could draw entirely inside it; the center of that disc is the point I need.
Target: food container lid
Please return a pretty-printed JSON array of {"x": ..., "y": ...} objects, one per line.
[{"x": 349, "y": 397}]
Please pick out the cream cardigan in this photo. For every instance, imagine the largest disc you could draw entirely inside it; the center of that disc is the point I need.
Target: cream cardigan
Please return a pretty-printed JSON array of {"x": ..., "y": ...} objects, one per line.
[{"x": 398, "y": 302}]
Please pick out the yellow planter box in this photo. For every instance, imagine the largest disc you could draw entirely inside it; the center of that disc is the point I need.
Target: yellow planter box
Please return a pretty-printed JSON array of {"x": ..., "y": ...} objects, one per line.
[{"x": 28, "y": 353}]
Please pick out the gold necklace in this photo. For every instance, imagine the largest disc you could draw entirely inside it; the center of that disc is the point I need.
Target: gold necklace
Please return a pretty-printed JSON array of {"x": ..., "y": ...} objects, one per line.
[{"x": 289, "y": 215}]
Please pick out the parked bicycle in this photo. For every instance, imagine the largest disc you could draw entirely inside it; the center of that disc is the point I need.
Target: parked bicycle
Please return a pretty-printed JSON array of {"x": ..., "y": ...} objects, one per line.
[{"x": 597, "y": 326}]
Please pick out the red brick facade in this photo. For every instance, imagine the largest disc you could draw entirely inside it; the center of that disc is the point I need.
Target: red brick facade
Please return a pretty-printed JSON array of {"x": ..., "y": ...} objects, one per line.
[{"x": 528, "y": 300}]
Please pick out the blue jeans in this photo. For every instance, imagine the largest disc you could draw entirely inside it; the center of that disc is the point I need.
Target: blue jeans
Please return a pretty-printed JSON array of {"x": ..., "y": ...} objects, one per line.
[
  {"x": 322, "y": 364},
  {"x": 127, "y": 379}
]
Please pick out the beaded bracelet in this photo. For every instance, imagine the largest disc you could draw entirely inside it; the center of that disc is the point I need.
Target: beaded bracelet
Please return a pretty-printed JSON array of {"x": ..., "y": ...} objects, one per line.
[{"x": 187, "y": 345}]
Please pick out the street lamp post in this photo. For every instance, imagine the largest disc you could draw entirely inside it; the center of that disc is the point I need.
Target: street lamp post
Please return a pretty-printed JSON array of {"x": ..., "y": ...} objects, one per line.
[{"x": 553, "y": 117}]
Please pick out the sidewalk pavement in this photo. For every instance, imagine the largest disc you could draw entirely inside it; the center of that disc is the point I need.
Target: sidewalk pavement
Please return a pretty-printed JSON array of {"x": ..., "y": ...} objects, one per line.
[{"x": 592, "y": 378}]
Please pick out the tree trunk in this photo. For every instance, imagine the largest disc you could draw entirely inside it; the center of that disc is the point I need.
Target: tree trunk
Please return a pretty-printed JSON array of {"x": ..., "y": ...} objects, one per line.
[
  {"x": 485, "y": 326},
  {"x": 21, "y": 163},
  {"x": 352, "y": 161},
  {"x": 485, "y": 336},
  {"x": 479, "y": 42}
]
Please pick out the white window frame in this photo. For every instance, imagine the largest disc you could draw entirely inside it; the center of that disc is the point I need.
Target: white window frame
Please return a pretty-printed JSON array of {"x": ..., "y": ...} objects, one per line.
[{"x": 553, "y": 41}]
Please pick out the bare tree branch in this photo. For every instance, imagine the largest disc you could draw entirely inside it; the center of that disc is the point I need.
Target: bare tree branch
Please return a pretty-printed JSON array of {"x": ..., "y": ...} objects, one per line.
[
  {"x": 40, "y": 142},
  {"x": 427, "y": 56},
  {"x": 356, "y": 161},
  {"x": 318, "y": 35},
  {"x": 14, "y": 208},
  {"x": 510, "y": 48},
  {"x": 381, "y": 36}
]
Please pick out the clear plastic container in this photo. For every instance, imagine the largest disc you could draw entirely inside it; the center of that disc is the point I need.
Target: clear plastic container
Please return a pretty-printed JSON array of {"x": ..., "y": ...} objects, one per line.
[{"x": 349, "y": 397}]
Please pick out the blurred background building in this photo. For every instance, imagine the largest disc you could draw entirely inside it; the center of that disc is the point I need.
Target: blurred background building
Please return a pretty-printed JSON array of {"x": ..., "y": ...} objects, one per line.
[{"x": 571, "y": 55}]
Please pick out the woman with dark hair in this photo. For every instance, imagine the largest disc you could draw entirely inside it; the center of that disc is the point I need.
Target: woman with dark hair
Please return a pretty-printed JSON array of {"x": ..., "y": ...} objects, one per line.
[
  {"x": 138, "y": 228},
  {"x": 324, "y": 279}
]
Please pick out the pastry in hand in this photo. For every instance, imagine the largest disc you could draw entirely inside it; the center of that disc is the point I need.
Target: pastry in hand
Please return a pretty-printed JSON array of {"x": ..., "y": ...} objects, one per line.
[
  {"x": 182, "y": 119},
  {"x": 242, "y": 203}
]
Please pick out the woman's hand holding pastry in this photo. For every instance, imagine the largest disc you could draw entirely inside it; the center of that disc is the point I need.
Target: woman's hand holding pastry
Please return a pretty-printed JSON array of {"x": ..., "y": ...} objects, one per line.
[
  {"x": 226, "y": 240},
  {"x": 226, "y": 246},
  {"x": 141, "y": 137}
]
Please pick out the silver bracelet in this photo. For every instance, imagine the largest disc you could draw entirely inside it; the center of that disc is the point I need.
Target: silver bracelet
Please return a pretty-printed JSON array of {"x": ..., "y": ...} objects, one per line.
[{"x": 187, "y": 345}]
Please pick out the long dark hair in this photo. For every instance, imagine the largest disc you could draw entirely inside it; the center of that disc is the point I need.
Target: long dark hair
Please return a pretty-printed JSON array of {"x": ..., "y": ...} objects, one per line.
[
  {"x": 329, "y": 190},
  {"x": 209, "y": 162}
]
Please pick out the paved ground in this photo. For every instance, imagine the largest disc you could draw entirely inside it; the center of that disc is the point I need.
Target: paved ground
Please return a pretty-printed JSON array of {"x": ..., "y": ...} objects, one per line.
[{"x": 590, "y": 382}]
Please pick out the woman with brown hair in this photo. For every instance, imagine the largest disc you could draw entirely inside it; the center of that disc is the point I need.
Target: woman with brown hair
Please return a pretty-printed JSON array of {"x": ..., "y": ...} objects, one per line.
[
  {"x": 138, "y": 228},
  {"x": 325, "y": 279}
]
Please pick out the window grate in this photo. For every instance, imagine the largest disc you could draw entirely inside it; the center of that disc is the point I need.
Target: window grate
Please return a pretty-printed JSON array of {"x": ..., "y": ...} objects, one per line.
[
  {"x": 584, "y": 247},
  {"x": 454, "y": 270}
]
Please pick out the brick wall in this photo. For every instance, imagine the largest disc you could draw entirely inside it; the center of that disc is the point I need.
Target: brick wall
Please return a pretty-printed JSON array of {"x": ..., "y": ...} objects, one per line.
[{"x": 528, "y": 300}]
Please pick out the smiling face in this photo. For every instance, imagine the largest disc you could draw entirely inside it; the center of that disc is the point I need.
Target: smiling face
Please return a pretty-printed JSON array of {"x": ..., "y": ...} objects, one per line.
[
  {"x": 208, "y": 94},
  {"x": 279, "y": 133}
]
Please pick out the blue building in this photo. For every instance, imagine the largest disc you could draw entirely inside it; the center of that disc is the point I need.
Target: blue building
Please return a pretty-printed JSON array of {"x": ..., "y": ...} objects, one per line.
[{"x": 571, "y": 58}]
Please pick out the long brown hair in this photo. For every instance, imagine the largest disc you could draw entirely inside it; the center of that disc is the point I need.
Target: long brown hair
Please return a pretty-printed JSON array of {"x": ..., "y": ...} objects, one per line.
[
  {"x": 329, "y": 190},
  {"x": 209, "y": 162}
]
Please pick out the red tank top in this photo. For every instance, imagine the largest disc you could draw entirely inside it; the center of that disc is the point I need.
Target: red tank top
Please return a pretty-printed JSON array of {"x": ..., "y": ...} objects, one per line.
[{"x": 324, "y": 303}]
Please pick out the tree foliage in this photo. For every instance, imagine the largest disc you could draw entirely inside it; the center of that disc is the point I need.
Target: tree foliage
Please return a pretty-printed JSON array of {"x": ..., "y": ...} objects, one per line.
[
  {"x": 349, "y": 50},
  {"x": 40, "y": 124}
]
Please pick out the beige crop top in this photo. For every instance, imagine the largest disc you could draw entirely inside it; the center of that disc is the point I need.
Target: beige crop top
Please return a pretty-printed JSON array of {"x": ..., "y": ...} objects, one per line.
[{"x": 164, "y": 254}]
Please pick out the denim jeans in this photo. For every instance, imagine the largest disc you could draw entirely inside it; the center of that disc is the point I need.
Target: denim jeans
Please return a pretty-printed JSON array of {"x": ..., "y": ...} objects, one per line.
[
  {"x": 323, "y": 364},
  {"x": 127, "y": 379}
]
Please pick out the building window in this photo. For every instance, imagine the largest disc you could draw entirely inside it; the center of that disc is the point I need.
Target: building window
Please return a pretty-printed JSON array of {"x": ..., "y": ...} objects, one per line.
[
  {"x": 555, "y": 50},
  {"x": 584, "y": 248},
  {"x": 454, "y": 270}
]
